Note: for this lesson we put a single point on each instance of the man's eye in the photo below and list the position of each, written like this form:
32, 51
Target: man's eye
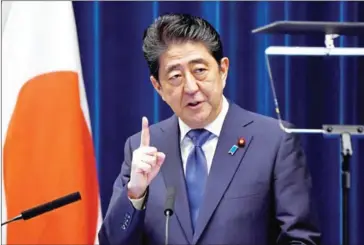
200, 70
175, 77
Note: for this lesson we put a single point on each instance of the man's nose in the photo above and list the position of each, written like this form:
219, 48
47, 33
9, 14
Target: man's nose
190, 84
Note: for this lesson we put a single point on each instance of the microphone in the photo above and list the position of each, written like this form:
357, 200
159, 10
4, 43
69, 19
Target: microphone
46, 207
168, 209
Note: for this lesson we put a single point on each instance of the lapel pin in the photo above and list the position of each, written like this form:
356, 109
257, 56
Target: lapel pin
240, 144
233, 149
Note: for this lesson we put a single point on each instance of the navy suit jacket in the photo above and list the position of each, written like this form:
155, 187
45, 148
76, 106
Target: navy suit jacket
260, 195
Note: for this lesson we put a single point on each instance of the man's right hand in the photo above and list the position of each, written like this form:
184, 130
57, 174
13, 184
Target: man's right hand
145, 165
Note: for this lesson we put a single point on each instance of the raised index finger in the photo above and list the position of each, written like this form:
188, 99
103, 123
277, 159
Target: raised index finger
145, 137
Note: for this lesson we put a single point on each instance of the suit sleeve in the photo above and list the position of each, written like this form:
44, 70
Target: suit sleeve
292, 187
123, 224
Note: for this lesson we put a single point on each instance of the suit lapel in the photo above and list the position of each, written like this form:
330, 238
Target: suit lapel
172, 171
224, 165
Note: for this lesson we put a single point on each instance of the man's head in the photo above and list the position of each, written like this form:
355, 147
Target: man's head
188, 70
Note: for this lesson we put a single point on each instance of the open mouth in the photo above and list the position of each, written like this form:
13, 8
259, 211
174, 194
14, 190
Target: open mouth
194, 104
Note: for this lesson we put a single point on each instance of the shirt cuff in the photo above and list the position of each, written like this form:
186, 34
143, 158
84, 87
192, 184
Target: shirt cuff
139, 203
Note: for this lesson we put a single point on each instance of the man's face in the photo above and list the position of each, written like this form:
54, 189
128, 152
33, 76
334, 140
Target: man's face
191, 82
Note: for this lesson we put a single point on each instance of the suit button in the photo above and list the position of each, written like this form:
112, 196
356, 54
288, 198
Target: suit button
123, 227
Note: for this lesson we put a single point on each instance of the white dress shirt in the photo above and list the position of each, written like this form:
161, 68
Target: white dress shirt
209, 147
186, 144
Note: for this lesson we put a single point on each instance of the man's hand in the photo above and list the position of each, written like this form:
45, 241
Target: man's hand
145, 165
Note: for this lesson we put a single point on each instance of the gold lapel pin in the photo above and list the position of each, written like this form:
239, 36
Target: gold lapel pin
234, 148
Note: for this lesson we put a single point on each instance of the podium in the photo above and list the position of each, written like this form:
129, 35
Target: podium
329, 31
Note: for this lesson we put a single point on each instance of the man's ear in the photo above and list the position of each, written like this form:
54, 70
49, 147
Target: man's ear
224, 69
157, 86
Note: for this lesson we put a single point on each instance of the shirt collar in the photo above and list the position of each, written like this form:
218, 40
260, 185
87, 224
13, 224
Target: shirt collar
214, 127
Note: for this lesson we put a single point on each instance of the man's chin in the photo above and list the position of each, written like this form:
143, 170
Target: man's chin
196, 120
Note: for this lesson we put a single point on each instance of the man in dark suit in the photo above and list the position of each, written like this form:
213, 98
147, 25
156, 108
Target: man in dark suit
257, 194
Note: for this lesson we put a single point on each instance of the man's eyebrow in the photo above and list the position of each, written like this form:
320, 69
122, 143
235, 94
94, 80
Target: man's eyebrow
194, 61
172, 68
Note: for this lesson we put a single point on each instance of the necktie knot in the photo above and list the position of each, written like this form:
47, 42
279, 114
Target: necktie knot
199, 136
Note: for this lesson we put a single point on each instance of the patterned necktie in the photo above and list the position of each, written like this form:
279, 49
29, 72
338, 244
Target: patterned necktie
196, 171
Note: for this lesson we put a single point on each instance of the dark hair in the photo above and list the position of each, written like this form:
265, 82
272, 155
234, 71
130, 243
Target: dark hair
172, 28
